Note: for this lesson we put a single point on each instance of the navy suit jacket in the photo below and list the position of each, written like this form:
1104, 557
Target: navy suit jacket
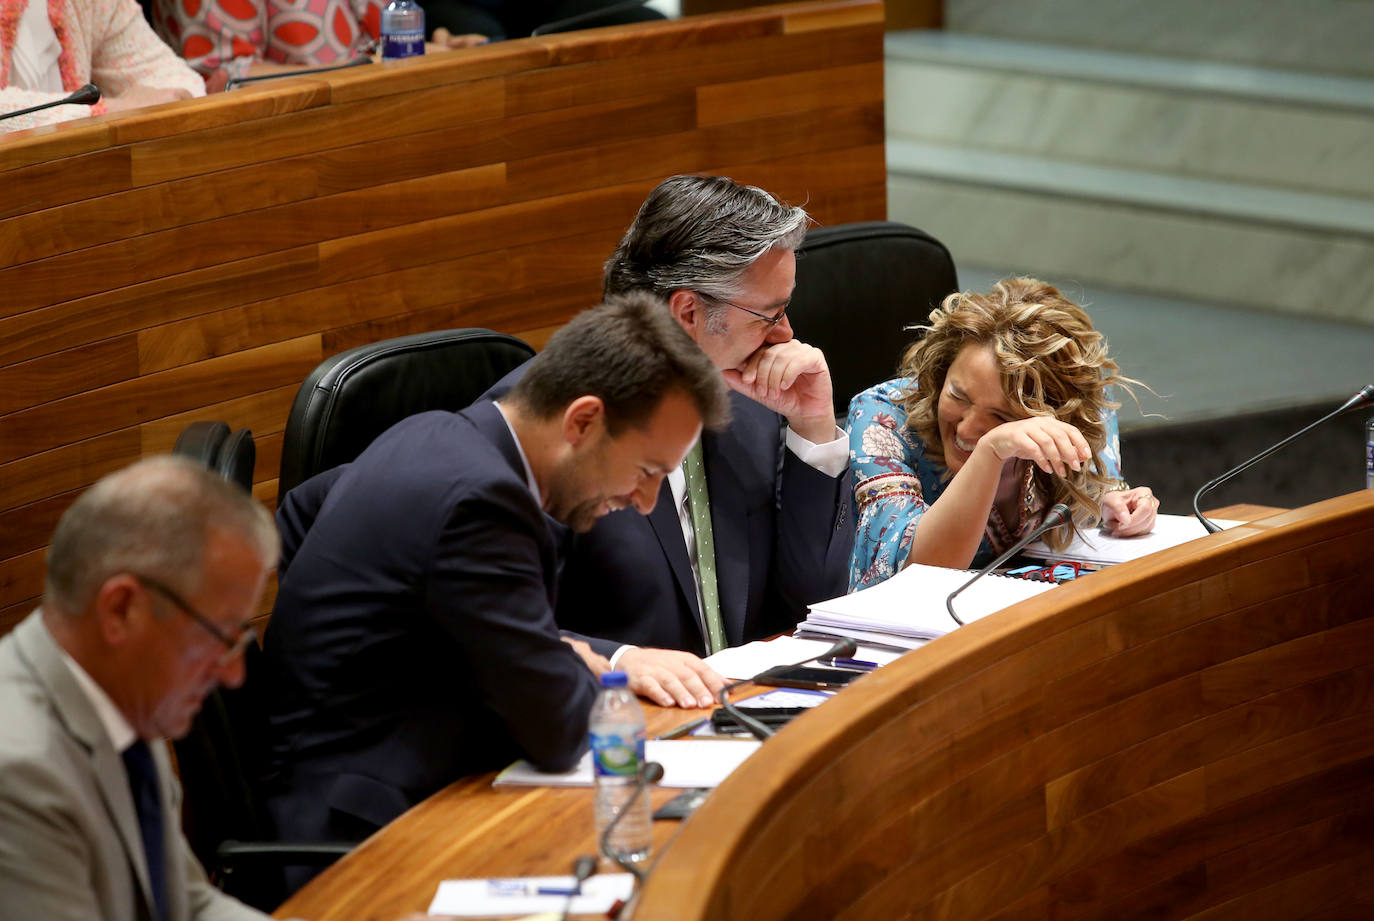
782, 531
413, 639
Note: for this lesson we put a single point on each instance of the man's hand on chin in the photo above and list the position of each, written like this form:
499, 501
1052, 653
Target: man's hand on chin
792, 379
670, 677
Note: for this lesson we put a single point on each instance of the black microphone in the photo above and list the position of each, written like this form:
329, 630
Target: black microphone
1057, 515
581, 19
88, 95
651, 773
583, 867
842, 649
1358, 401
235, 82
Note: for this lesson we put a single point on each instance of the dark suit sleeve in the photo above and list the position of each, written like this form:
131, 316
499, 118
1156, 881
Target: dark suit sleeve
815, 534
486, 587
298, 510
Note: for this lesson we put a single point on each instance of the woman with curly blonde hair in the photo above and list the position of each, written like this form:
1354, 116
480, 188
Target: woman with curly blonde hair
1003, 409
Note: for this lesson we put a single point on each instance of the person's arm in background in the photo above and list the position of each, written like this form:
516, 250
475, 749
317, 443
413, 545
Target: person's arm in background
888, 496
131, 65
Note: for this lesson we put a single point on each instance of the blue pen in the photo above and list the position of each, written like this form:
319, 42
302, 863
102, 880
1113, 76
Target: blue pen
855, 664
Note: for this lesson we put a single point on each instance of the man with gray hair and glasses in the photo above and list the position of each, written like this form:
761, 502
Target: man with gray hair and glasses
153, 577
754, 526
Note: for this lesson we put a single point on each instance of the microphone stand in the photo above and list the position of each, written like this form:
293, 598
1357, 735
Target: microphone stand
236, 82
651, 772
843, 649
88, 95
583, 867
1057, 515
1358, 401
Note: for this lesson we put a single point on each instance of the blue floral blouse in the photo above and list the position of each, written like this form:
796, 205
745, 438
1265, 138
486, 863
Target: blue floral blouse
895, 481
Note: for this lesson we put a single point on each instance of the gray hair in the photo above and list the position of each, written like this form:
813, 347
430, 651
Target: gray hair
152, 519
701, 233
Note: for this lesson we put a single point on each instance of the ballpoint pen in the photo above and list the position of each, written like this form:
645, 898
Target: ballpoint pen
684, 729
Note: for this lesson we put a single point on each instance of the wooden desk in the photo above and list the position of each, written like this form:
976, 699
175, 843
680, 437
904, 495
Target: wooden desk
1186, 736
469, 830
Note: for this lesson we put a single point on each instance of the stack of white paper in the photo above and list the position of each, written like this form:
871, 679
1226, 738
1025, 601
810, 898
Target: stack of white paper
1102, 549
909, 608
686, 763
493, 898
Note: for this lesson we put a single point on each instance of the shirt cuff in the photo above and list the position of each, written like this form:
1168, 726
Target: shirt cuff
830, 457
615, 656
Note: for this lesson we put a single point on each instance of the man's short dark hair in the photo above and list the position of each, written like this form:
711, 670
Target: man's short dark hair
701, 233
629, 352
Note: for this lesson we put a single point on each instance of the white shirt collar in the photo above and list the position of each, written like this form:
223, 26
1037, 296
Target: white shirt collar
524, 461
121, 734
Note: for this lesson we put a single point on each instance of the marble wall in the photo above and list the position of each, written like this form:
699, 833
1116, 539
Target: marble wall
1327, 36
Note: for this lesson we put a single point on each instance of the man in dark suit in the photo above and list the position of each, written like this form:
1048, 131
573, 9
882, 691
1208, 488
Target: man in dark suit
413, 639
767, 494
153, 577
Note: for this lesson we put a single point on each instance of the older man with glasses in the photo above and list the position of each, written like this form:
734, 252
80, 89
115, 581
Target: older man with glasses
754, 526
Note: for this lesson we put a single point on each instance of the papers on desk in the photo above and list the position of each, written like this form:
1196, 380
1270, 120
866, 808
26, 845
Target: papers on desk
740, 663
1104, 550
909, 608
492, 898
686, 763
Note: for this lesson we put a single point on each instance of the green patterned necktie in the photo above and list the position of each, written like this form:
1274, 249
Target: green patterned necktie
699, 504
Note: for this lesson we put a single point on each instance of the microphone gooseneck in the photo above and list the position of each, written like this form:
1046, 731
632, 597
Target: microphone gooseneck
1057, 515
87, 95
651, 773
358, 61
583, 868
1360, 400
842, 649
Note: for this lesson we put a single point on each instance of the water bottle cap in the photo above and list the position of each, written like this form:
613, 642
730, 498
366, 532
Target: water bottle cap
614, 680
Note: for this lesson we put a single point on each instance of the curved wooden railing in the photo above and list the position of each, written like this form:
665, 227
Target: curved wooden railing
1188, 736
198, 259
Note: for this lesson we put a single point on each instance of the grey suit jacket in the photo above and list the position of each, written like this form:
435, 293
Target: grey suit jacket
70, 847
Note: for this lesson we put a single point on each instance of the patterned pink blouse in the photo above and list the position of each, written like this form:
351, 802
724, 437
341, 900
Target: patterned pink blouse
231, 34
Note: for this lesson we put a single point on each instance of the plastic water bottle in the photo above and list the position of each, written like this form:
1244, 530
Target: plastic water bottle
617, 742
403, 30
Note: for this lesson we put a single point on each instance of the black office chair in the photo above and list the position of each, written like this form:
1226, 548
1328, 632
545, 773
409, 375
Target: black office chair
356, 395
218, 760
859, 286
231, 454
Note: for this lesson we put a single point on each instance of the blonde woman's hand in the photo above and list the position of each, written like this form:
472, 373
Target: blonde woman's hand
1053, 446
1129, 512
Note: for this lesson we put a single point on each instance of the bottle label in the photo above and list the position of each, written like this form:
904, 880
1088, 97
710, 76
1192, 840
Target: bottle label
402, 44
616, 755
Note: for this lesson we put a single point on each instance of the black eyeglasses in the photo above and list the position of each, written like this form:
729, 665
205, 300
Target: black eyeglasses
771, 321
233, 646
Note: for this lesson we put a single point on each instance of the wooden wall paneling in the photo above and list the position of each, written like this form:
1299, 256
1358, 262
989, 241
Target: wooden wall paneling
264, 412
303, 312
517, 224
29, 526
293, 134
60, 374
788, 94
50, 183
85, 415
148, 209
135, 307
53, 142
65, 468
21, 578
622, 77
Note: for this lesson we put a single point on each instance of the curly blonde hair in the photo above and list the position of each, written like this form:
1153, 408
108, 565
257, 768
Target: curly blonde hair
1053, 363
